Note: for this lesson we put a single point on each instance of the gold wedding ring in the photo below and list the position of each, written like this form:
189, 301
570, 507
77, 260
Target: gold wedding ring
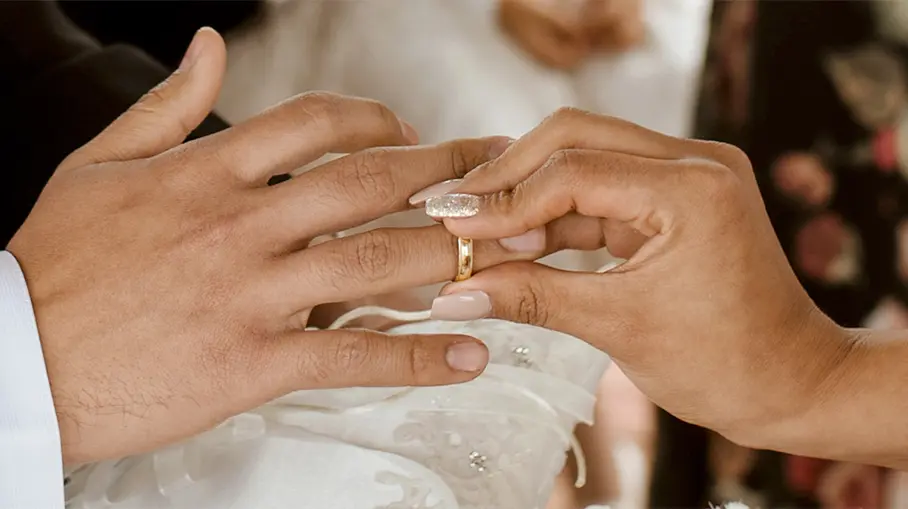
464, 259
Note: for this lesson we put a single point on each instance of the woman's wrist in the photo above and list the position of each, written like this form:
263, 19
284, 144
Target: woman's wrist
804, 362
868, 411
859, 411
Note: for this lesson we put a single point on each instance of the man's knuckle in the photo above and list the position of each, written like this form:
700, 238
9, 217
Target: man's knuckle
368, 175
459, 161
228, 359
324, 109
351, 354
384, 114
419, 361
530, 306
373, 256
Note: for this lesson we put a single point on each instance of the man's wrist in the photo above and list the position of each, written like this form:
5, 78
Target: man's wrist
30, 463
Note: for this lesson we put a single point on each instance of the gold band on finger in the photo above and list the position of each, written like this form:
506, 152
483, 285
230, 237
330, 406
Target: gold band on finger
464, 259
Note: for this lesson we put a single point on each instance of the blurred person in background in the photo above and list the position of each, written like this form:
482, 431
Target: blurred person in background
62, 83
817, 95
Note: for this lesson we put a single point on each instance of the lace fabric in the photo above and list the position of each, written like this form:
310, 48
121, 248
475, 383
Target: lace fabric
496, 442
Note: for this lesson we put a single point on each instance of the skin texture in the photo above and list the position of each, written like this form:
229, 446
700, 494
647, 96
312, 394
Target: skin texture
171, 285
706, 317
562, 34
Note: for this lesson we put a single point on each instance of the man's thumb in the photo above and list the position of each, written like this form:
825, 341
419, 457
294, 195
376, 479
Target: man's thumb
164, 117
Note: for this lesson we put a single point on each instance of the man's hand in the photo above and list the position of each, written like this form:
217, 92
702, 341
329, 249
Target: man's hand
171, 284
706, 316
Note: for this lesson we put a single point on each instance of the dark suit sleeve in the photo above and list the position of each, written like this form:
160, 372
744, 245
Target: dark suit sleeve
58, 89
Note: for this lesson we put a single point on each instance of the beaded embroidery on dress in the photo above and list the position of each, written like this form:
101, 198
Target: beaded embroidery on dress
496, 442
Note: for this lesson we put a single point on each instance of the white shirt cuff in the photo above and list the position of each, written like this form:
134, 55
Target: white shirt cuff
31, 463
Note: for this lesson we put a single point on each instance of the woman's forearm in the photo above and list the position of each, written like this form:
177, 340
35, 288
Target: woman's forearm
861, 414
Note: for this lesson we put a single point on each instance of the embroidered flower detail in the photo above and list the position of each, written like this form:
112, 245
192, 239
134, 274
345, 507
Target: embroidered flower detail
827, 250
803, 177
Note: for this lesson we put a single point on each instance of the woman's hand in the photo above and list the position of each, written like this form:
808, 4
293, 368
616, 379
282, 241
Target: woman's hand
171, 285
706, 316
561, 33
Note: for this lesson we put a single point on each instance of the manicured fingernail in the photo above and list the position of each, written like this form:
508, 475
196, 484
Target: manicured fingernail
434, 190
409, 132
499, 146
467, 356
452, 205
193, 52
461, 307
532, 241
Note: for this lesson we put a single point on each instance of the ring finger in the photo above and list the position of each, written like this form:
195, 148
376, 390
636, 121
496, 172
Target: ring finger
388, 259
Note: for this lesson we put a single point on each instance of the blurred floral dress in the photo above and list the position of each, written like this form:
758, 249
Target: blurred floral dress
817, 94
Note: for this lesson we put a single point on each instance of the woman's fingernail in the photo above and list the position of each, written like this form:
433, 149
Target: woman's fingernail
452, 205
409, 131
193, 52
499, 146
434, 190
469, 357
532, 241
461, 307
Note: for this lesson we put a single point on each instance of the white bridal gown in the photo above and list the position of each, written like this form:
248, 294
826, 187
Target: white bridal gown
497, 442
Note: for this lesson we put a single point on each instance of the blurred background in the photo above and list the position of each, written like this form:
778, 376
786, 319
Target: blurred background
815, 92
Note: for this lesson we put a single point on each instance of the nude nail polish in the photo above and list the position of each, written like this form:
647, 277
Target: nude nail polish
469, 357
434, 190
452, 205
461, 307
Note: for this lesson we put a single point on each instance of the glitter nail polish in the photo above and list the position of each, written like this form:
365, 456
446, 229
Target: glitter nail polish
452, 205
